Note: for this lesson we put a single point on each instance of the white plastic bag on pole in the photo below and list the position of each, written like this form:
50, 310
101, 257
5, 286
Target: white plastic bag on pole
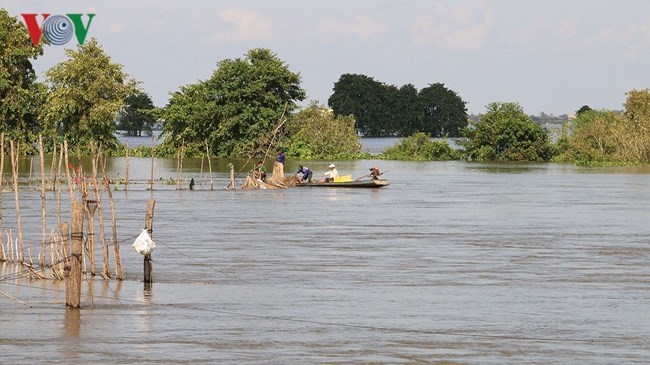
144, 245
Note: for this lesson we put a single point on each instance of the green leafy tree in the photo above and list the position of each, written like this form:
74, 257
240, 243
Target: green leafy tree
506, 133
314, 133
137, 116
21, 96
606, 137
408, 117
420, 147
445, 113
368, 100
86, 93
385, 110
237, 109
593, 138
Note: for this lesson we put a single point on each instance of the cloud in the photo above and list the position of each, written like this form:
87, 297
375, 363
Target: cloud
242, 25
455, 28
361, 27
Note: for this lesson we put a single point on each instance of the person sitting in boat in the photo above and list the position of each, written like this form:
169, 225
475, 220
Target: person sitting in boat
259, 172
330, 174
307, 174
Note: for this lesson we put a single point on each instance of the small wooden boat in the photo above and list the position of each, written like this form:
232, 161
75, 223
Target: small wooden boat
348, 184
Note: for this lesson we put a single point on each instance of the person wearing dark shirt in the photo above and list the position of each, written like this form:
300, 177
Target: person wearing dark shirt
281, 158
307, 174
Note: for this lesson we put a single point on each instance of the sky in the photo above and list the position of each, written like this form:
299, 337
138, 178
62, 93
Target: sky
550, 56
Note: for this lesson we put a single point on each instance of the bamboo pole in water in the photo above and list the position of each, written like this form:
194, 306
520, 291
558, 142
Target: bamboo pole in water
128, 161
179, 165
207, 153
116, 245
43, 216
52, 171
153, 150
2, 178
91, 206
105, 259
64, 232
57, 180
15, 150
73, 284
201, 175
148, 225
68, 178
232, 176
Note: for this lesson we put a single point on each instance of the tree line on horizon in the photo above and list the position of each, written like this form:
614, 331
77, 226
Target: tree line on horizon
249, 105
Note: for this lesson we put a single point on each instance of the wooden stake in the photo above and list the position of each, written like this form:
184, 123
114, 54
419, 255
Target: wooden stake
14, 166
232, 176
68, 178
52, 171
153, 149
128, 159
91, 205
44, 225
148, 225
2, 178
73, 283
116, 245
105, 259
64, 232
207, 153
57, 180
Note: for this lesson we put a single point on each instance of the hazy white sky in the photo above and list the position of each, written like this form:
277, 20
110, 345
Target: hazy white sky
550, 56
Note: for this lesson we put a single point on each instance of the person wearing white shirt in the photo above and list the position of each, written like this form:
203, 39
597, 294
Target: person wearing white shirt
331, 173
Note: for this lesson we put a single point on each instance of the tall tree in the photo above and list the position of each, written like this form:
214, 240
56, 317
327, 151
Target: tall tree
136, 116
86, 93
408, 117
386, 110
20, 94
368, 100
237, 108
445, 113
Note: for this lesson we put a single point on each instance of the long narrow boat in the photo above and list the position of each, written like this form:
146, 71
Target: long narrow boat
348, 184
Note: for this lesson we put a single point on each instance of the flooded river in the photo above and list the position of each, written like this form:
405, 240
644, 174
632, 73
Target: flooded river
454, 262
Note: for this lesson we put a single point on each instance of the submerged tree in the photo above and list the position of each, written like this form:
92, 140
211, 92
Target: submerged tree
137, 116
86, 92
420, 147
386, 110
20, 94
237, 109
506, 133
445, 113
315, 133
607, 137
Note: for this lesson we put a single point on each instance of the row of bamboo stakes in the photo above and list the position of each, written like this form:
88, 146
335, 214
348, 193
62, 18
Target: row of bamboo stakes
15, 249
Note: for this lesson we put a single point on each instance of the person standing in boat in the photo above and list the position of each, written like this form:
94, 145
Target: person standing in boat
330, 174
281, 157
307, 174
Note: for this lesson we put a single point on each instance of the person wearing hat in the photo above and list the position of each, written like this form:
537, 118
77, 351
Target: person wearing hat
331, 173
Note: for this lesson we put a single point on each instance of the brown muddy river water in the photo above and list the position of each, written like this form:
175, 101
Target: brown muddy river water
454, 262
